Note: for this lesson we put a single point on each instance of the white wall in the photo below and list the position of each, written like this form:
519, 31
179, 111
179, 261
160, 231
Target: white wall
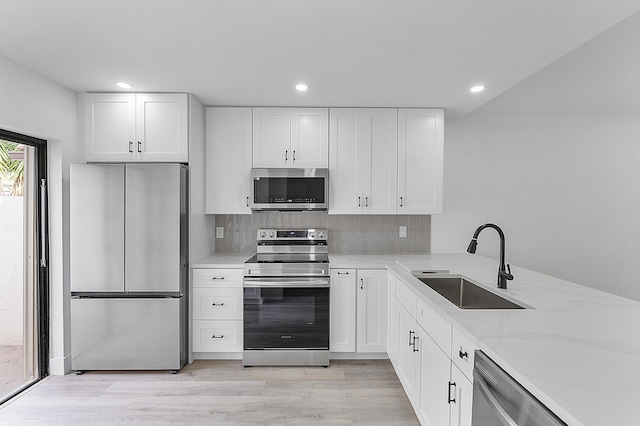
32, 105
563, 189
555, 161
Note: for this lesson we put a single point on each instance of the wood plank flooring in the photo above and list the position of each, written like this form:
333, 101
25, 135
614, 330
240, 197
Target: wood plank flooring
365, 392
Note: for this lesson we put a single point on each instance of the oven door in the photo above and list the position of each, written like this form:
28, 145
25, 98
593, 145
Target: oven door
286, 313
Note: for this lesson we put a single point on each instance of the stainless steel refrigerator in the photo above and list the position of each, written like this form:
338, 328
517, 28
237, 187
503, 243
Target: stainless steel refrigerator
128, 266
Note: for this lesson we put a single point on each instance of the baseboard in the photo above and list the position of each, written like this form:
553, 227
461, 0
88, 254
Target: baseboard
59, 366
356, 355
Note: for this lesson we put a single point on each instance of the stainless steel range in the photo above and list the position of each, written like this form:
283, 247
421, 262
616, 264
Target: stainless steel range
286, 299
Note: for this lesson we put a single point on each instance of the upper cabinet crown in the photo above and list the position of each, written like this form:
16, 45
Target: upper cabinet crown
290, 138
126, 127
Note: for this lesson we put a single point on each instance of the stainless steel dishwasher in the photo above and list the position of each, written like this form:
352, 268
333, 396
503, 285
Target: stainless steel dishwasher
500, 400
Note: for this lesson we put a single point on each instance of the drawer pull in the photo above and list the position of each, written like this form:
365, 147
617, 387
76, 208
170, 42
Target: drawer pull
343, 273
415, 348
217, 304
217, 337
463, 355
217, 278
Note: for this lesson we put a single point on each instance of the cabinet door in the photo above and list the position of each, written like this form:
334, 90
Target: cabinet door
346, 161
380, 161
462, 405
408, 364
434, 382
162, 127
420, 160
109, 126
309, 138
272, 137
392, 328
343, 315
228, 160
372, 311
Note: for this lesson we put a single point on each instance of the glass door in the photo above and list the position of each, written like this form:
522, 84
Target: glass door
23, 269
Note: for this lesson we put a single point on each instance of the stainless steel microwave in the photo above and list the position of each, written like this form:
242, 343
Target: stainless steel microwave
289, 189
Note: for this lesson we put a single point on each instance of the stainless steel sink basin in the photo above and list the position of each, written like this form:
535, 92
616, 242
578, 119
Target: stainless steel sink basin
467, 295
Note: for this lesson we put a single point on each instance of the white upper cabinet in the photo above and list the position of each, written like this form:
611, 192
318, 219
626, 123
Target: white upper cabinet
228, 160
420, 161
162, 130
363, 166
290, 138
127, 127
385, 161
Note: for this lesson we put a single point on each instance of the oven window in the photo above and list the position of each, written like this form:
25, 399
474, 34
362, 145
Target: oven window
272, 190
286, 318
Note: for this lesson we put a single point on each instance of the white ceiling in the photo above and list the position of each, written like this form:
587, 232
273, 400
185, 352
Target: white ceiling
412, 53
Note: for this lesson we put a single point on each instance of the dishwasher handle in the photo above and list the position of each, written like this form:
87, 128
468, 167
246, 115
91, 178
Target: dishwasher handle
506, 419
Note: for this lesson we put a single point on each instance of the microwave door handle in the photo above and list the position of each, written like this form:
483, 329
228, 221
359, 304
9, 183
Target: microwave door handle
493, 402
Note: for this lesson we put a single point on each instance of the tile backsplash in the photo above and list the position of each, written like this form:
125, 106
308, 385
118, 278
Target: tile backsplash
370, 234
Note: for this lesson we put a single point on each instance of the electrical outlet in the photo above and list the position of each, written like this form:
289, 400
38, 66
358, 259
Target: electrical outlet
403, 232
219, 232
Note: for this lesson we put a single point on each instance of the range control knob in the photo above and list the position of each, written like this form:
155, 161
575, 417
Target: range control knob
321, 235
263, 234
272, 234
312, 234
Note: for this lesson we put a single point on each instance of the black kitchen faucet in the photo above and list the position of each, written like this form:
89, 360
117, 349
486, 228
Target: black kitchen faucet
504, 273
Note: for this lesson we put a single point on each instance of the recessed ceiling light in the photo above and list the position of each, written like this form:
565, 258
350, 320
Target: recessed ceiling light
301, 87
478, 88
123, 85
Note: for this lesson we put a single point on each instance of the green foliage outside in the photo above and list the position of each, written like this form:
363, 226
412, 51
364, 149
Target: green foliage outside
11, 170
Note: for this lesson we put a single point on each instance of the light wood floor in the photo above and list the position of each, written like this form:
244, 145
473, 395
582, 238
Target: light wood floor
220, 392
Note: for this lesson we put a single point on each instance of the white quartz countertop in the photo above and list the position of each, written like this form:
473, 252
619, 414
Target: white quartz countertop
577, 349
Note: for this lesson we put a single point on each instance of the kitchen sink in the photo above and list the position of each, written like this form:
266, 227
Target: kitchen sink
467, 295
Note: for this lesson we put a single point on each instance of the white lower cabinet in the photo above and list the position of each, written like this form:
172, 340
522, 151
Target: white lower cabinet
408, 365
359, 310
461, 396
216, 303
439, 390
434, 382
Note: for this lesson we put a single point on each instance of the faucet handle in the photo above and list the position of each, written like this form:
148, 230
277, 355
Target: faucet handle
508, 275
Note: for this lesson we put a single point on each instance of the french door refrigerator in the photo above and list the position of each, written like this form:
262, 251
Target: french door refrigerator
128, 226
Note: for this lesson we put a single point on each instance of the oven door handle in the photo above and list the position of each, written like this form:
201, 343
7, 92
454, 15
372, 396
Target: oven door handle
277, 282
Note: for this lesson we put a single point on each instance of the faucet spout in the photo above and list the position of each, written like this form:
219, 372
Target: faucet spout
504, 271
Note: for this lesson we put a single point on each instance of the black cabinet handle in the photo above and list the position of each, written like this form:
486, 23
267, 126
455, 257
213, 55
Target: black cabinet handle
139, 146
217, 304
343, 273
415, 348
366, 201
411, 337
218, 337
247, 201
359, 202
361, 284
217, 278
294, 155
131, 146
401, 202
286, 155
449, 399
463, 355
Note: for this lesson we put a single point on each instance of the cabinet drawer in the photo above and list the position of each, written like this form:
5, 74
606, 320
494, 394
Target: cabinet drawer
217, 277
407, 298
462, 352
435, 325
217, 336
217, 303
